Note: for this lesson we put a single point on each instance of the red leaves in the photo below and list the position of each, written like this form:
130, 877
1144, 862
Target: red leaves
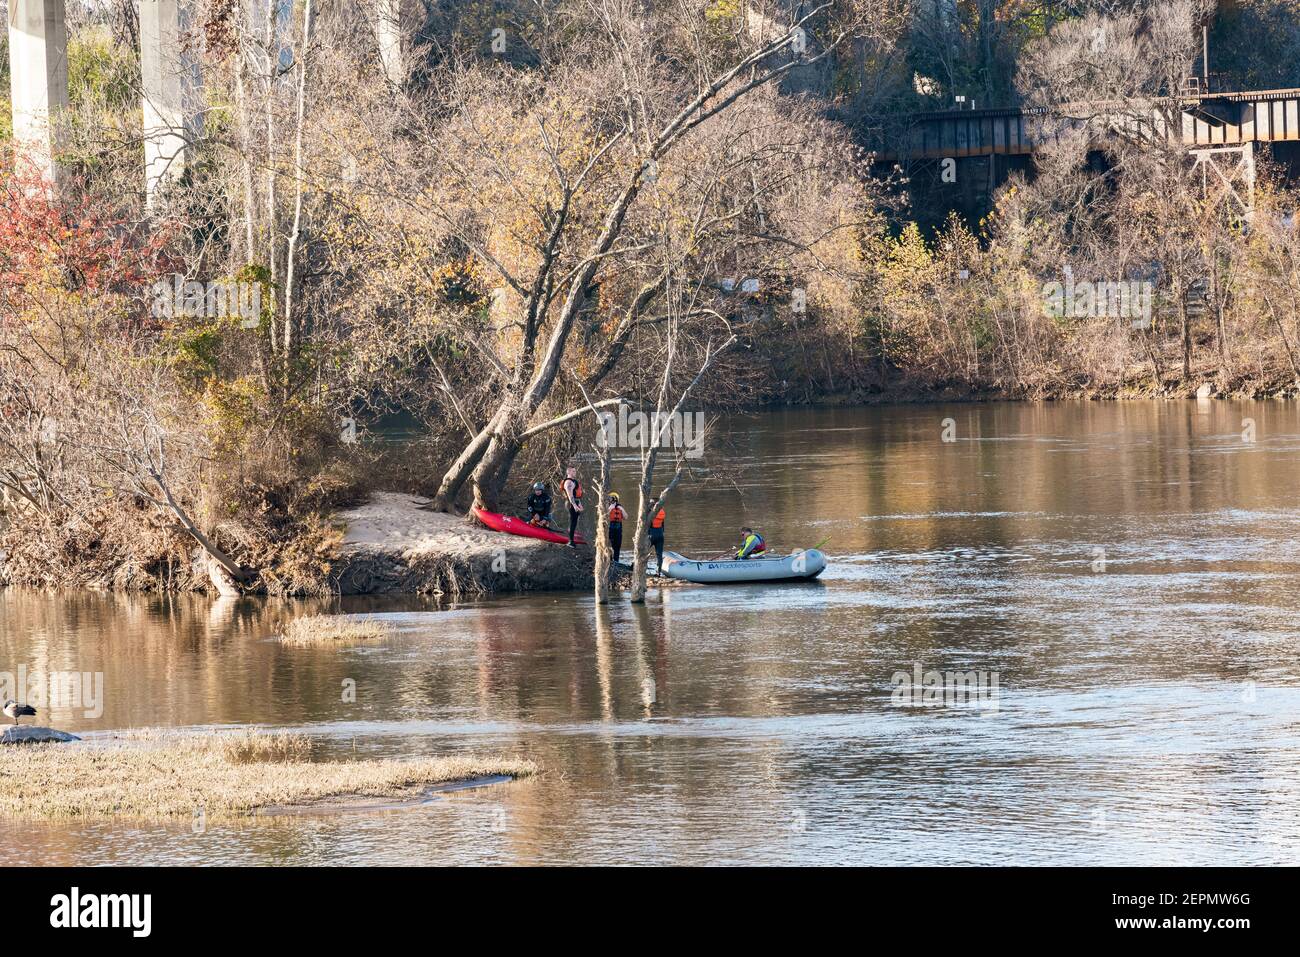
76, 241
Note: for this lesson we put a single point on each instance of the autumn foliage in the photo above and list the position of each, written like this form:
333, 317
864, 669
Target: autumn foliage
73, 240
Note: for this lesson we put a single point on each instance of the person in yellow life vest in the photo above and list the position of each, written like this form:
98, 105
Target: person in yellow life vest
751, 543
656, 534
616, 518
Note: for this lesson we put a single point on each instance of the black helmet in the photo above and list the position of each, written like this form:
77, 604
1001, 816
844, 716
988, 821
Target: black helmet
539, 487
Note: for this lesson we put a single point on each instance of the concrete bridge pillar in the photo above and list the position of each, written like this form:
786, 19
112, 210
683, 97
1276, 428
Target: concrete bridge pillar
171, 82
38, 76
388, 32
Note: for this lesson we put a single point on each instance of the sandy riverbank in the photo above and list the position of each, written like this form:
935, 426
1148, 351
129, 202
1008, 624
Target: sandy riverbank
394, 545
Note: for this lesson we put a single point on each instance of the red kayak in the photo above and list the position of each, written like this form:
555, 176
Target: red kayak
517, 526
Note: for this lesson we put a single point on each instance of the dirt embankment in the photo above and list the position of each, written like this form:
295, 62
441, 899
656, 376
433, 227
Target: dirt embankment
389, 544
393, 545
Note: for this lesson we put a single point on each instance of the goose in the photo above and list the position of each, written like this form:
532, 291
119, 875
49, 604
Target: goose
15, 710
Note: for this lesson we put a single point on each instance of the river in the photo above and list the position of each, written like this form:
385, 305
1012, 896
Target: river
1122, 577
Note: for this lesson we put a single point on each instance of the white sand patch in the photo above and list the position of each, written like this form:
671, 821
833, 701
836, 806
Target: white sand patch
391, 544
394, 521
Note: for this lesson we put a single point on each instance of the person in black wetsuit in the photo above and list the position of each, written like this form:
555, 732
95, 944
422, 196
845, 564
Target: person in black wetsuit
616, 518
539, 506
573, 498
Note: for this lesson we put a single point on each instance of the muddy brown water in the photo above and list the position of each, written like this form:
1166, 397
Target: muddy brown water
1127, 573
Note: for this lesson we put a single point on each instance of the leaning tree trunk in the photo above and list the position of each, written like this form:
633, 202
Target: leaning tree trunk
747, 74
495, 486
456, 477
491, 471
215, 555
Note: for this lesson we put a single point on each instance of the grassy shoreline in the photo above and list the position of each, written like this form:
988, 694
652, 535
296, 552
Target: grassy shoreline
158, 775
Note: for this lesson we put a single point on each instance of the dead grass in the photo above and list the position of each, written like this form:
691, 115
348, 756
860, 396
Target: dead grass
156, 774
254, 747
334, 630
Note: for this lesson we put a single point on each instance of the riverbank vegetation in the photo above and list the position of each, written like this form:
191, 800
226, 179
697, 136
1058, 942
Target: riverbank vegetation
543, 210
153, 775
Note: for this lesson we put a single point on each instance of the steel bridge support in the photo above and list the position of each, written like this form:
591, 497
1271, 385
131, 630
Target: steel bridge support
1236, 176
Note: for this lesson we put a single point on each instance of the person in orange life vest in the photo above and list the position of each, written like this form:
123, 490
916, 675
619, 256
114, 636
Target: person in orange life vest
616, 518
573, 498
656, 534
751, 543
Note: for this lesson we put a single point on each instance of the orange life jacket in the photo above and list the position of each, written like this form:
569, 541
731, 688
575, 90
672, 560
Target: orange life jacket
658, 520
616, 514
577, 489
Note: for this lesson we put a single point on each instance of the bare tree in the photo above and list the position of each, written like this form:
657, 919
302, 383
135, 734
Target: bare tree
667, 409
591, 199
603, 550
1114, 84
